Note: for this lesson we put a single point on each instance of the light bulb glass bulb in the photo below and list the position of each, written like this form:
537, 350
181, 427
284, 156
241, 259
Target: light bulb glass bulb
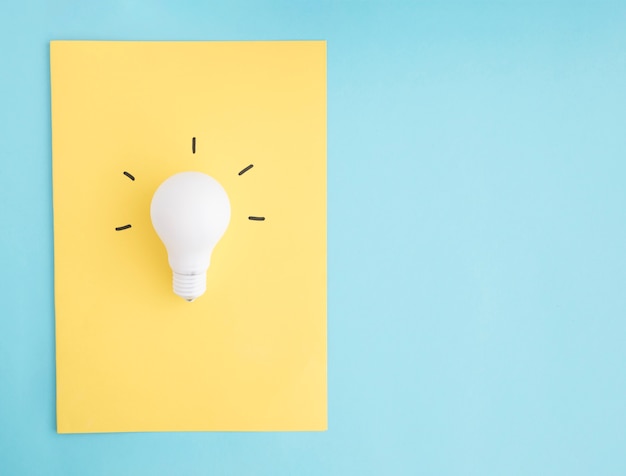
190, 212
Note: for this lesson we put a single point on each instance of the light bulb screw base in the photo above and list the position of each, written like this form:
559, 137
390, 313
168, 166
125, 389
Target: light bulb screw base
189, 286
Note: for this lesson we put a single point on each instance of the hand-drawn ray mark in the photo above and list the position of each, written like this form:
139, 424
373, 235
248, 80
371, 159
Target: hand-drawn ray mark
246, 169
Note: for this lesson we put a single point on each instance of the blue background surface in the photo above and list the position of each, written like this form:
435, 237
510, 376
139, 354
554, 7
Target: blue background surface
477, 239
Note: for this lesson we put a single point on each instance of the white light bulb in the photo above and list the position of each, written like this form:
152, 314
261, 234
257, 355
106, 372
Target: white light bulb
190, 212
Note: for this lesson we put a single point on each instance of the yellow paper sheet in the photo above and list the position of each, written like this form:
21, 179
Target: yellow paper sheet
251, 353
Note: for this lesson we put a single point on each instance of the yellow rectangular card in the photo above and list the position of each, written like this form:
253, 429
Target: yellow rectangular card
248, 355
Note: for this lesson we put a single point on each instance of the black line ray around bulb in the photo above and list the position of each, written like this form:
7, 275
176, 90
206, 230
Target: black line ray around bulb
193, 145
256, 218
125, 227
245, 169
129, 176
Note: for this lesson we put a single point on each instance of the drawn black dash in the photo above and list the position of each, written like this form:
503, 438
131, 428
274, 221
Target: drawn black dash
256, 218
120, 228
193, 145
129, 176
246, 169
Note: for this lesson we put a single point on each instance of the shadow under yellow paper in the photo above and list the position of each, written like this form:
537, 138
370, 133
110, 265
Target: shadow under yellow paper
251, 353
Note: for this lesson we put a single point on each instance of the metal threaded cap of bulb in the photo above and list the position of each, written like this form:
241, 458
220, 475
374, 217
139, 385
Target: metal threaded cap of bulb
189, 286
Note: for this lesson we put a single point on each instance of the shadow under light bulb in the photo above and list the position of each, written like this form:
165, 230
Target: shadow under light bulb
190, 212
